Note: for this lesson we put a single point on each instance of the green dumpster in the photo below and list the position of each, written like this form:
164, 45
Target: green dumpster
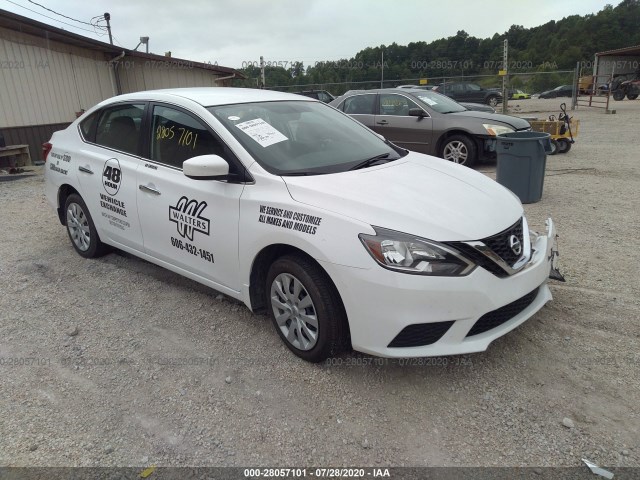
522, 157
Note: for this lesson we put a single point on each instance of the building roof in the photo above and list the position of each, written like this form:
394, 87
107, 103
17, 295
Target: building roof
626, 51
18, 23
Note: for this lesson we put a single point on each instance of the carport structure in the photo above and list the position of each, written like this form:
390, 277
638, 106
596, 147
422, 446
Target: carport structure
606, 66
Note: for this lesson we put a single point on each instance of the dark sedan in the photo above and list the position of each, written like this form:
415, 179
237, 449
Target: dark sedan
561, 91
428, 122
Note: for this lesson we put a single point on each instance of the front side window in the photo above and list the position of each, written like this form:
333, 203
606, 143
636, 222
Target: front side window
397, 105
473, 87
359, 104
177, 136
301, 138
119, 128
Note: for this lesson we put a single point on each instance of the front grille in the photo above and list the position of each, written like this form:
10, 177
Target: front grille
479, 259
500, 243
420, 334
502, 315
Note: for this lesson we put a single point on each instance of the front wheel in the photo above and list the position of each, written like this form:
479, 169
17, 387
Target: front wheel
618, 95
564, 145
492, 101
459, 149
306, 309
554, 147
81, 229
632, 96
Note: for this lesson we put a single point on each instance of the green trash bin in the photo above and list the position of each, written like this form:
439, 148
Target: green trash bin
522, 157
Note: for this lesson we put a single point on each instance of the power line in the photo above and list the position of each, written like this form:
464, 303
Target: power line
51, 18
65, 16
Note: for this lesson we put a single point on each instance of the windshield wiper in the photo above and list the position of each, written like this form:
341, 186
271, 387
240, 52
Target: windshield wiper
298, 174
370, 161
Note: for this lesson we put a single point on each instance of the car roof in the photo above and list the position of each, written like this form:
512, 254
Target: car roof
211, 96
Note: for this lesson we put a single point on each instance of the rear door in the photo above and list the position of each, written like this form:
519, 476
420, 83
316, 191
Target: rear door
107, 167
395, 124
362, 108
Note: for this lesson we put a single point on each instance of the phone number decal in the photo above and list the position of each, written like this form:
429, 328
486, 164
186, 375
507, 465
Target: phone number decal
192, 249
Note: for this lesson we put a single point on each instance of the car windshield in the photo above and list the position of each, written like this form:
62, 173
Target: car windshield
302, 138
438, 102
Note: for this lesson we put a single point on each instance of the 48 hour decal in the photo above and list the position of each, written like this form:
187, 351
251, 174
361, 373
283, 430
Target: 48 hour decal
112, 176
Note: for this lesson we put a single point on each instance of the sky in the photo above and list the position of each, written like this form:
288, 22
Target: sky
236, 32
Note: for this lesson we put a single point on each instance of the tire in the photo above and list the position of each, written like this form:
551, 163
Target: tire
492, 100
459, 149
564, 145
316, 302
81, 229
554, 147
618, 95
632, 96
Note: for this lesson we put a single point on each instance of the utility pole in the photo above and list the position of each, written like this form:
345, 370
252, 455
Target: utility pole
262, 81
505, 77
107, 17
382, 74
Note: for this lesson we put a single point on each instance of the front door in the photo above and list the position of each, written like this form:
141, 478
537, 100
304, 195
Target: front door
191, 224
394, 122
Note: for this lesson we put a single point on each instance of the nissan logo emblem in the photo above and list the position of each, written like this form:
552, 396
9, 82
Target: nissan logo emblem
515, 244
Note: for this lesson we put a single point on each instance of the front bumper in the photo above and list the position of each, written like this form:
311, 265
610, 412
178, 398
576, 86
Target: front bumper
381, 303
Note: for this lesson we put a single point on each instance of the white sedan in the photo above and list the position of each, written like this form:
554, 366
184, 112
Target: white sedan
298, 210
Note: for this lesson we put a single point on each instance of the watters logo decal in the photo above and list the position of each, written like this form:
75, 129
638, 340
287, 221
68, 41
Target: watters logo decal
187, 215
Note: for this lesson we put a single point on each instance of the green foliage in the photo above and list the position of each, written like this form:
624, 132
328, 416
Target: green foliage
556, 45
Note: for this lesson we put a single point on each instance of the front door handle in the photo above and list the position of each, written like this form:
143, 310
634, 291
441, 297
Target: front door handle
85, 170
382, 122
148, 189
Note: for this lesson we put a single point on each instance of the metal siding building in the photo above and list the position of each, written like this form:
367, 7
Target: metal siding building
621, 61
48, 76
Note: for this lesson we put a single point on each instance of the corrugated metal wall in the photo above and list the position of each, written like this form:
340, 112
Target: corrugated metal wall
44, 82
618, 65
138, 74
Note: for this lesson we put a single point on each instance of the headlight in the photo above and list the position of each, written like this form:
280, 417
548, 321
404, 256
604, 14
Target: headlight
410, 254
497, 129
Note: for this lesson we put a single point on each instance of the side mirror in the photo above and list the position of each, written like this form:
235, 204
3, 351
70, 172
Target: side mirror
417, 112
206, 167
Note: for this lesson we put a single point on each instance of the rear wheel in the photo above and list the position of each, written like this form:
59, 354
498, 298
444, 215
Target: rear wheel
459, 149
632, 96
81, 229
554, 147
306, 308
564, 145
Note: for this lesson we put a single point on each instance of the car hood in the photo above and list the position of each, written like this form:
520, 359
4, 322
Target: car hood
515, 122
416, 194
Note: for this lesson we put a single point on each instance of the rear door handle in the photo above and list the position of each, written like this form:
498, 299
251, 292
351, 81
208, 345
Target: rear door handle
85, 170
148, 189
383, 122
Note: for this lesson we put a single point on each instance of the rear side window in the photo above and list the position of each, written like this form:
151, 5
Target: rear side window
119, 128
359, 104
88, 127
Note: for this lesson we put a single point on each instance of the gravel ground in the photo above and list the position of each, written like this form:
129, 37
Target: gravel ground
137, 366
